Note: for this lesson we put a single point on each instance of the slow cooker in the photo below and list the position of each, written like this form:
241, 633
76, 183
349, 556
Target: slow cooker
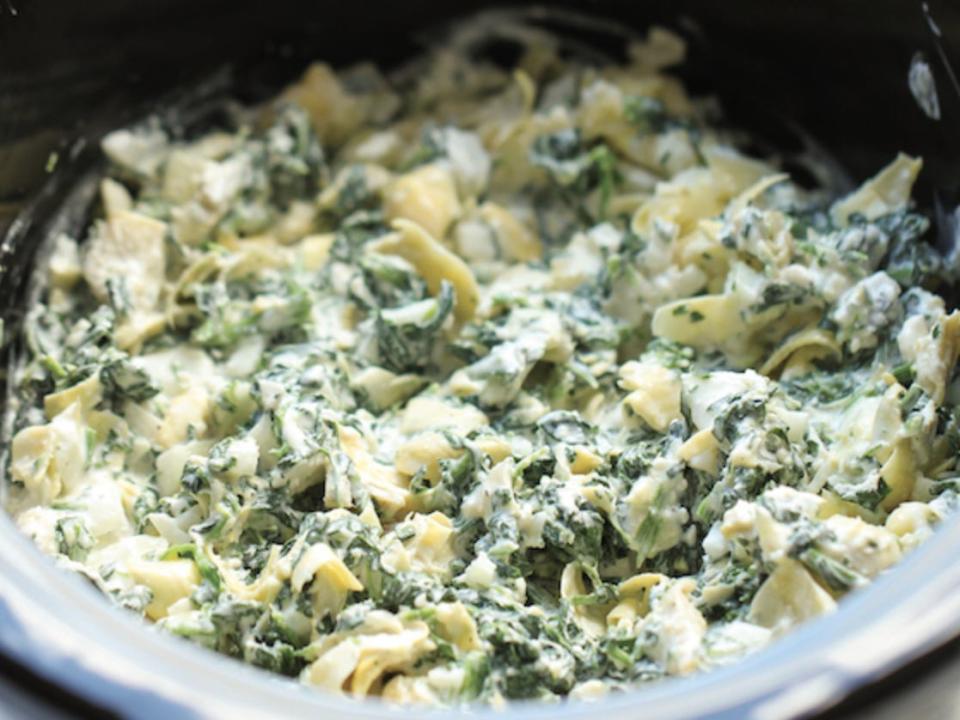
817, 77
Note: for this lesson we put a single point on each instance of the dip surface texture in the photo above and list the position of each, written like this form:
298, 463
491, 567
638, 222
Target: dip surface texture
475, 383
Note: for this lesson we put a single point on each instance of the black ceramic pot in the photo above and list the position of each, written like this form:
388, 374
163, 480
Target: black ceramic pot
70, 71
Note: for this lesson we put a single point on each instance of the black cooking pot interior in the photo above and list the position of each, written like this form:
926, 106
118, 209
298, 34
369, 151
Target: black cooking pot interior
69, 71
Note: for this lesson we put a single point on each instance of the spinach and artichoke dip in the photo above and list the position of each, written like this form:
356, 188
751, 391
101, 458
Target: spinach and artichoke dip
473, 383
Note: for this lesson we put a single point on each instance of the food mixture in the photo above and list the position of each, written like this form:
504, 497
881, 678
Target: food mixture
479, 383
